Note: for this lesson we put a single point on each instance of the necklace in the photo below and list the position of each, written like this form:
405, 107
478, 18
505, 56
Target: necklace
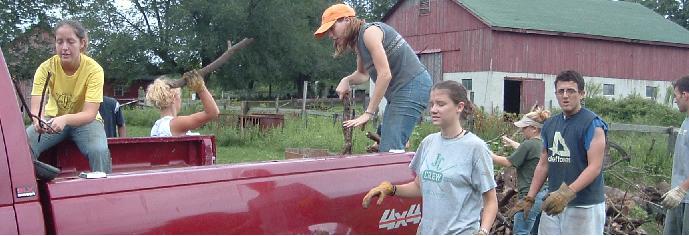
460, 134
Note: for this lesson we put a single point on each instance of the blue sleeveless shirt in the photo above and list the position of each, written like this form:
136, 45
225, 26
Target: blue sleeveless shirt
567, 155
403, 62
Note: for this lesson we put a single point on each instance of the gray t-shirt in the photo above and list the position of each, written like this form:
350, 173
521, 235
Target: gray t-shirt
680, 160
454, 174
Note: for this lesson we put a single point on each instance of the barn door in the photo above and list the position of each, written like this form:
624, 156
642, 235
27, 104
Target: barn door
532, 93
434, 64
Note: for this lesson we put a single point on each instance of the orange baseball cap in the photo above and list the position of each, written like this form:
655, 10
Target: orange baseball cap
331, 15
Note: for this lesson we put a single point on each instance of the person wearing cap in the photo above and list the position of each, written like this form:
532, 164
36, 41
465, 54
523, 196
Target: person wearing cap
572, 161
525, 159
384, 56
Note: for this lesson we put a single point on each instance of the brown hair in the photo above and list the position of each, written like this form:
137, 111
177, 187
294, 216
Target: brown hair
457, 94
571, 75
79, 30
682, 84
160, 95
351, 36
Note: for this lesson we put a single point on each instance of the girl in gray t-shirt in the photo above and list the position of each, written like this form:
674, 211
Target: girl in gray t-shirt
454, 171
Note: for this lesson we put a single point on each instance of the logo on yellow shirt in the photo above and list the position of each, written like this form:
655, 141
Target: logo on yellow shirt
64, 101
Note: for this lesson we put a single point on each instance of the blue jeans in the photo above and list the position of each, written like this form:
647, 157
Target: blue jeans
403, 110
523, 226
677, 220
89, 138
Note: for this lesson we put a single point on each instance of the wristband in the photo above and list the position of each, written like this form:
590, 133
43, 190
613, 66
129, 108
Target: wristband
370, 113
394, 190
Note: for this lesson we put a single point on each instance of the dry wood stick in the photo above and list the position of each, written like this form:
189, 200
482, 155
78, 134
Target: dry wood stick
347, 131
231, 49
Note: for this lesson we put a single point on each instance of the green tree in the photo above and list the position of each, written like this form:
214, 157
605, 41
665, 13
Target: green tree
675, 10
371, 10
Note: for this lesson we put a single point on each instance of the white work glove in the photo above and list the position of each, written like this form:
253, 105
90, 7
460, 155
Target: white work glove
672, 198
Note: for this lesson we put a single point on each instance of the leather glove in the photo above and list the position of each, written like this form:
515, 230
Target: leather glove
194, 81
558, 200
481, 231
385, 188
672, 198
524, 205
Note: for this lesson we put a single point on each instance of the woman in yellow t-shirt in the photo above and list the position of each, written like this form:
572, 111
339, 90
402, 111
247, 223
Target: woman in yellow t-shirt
75, 91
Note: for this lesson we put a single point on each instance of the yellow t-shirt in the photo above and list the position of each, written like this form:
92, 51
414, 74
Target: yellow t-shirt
67, 94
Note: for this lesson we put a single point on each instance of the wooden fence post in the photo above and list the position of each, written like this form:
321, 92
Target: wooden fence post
303, 104
671, 139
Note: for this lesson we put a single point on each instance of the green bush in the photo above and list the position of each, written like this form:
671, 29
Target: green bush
635, 109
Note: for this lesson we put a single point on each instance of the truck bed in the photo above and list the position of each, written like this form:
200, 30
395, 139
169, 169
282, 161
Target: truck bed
134, 154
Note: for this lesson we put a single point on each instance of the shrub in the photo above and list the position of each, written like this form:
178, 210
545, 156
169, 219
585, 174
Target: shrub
635, 109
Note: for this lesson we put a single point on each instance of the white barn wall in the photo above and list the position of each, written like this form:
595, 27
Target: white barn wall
488, 86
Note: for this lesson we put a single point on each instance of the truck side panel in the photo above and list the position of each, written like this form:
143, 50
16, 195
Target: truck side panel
23, 189
289, 197
8, 220
30, 218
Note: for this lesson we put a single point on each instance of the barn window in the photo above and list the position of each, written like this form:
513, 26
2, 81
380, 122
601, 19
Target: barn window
119, 90
425, 7
468, 84
652, 92
608, 89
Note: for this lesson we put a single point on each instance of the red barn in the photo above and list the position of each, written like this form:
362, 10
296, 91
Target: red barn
509, 52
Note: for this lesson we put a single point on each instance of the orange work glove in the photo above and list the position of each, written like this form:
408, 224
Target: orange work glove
523, 205
558, 200
385, 188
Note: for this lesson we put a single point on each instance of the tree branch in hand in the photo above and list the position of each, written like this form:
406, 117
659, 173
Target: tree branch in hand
231, 49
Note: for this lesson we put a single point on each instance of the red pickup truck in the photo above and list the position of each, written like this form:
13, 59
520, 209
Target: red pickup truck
171, 186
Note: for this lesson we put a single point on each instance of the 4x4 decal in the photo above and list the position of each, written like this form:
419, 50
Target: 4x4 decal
391, 219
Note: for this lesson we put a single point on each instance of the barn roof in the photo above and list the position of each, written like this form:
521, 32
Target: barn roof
603, 18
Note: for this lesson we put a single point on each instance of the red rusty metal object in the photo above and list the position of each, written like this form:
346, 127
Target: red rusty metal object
263, 121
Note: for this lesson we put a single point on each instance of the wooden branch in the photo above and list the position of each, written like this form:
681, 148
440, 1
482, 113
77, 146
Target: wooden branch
231, 49
507, 198
373, 136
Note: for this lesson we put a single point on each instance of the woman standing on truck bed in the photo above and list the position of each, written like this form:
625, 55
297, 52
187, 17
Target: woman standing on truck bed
169, 102
454, 171
384, 56
75, 91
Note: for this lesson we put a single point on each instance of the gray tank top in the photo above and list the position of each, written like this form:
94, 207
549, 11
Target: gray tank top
404, 64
